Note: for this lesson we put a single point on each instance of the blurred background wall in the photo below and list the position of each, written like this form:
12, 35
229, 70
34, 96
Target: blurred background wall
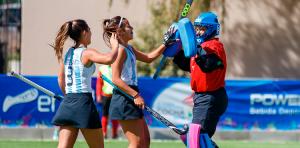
42, 19
261, 37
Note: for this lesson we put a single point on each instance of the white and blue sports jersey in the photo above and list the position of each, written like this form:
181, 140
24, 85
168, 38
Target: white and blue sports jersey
77, 76
129, 73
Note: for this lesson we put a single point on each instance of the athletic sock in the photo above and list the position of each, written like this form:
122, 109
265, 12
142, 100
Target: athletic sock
115, 125
104, 125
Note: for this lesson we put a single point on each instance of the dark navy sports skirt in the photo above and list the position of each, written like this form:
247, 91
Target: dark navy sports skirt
77, 110
123, 108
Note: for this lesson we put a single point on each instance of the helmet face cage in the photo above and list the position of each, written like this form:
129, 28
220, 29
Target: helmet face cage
210, 21
211, 29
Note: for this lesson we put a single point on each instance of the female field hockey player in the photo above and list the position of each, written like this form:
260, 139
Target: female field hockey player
207, 70
77, 111
124, 74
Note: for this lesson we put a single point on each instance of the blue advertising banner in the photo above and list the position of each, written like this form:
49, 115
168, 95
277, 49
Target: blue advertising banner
262, 105
23, 105
253, 104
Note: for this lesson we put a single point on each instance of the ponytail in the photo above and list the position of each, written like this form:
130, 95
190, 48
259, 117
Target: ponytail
106, 34
111, 26
60, 39
72, 29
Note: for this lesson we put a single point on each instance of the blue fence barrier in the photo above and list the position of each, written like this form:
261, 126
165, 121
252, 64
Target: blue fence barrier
253, 104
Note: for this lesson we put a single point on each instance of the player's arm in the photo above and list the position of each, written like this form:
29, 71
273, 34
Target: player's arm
167, 41
209, 62
61, 76
149, 57
181, 61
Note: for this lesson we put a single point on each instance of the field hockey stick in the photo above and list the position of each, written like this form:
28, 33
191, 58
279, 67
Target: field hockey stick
183, 14
151, 111
33, 84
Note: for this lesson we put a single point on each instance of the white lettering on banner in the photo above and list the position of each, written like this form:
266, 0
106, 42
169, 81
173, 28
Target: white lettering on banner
25, 97
274, 111
43, 103
274, 104
53, 104
275, 99
288, 111
262, 111
46, 104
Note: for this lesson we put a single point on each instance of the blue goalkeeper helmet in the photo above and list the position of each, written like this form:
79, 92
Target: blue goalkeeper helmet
210, 21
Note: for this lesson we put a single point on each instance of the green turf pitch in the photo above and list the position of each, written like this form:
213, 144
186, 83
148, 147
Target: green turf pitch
154, 144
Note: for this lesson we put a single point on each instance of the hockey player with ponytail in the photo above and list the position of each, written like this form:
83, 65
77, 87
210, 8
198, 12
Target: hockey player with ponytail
77, 110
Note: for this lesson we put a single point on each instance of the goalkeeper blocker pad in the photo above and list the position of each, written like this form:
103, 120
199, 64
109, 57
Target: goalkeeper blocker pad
187, 37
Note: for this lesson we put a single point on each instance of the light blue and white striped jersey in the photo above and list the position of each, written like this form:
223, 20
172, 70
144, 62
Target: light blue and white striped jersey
129, 73
77, 76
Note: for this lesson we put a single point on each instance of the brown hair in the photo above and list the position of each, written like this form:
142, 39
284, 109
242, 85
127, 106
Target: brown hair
111, 26
72, 29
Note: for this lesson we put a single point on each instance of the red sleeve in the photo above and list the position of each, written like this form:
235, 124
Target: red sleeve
99, 85
212, 48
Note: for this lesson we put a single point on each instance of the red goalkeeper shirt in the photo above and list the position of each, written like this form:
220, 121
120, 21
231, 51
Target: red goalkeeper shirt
203, 82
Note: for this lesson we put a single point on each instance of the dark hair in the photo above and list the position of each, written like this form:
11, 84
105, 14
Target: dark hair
111, 26
72, 29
